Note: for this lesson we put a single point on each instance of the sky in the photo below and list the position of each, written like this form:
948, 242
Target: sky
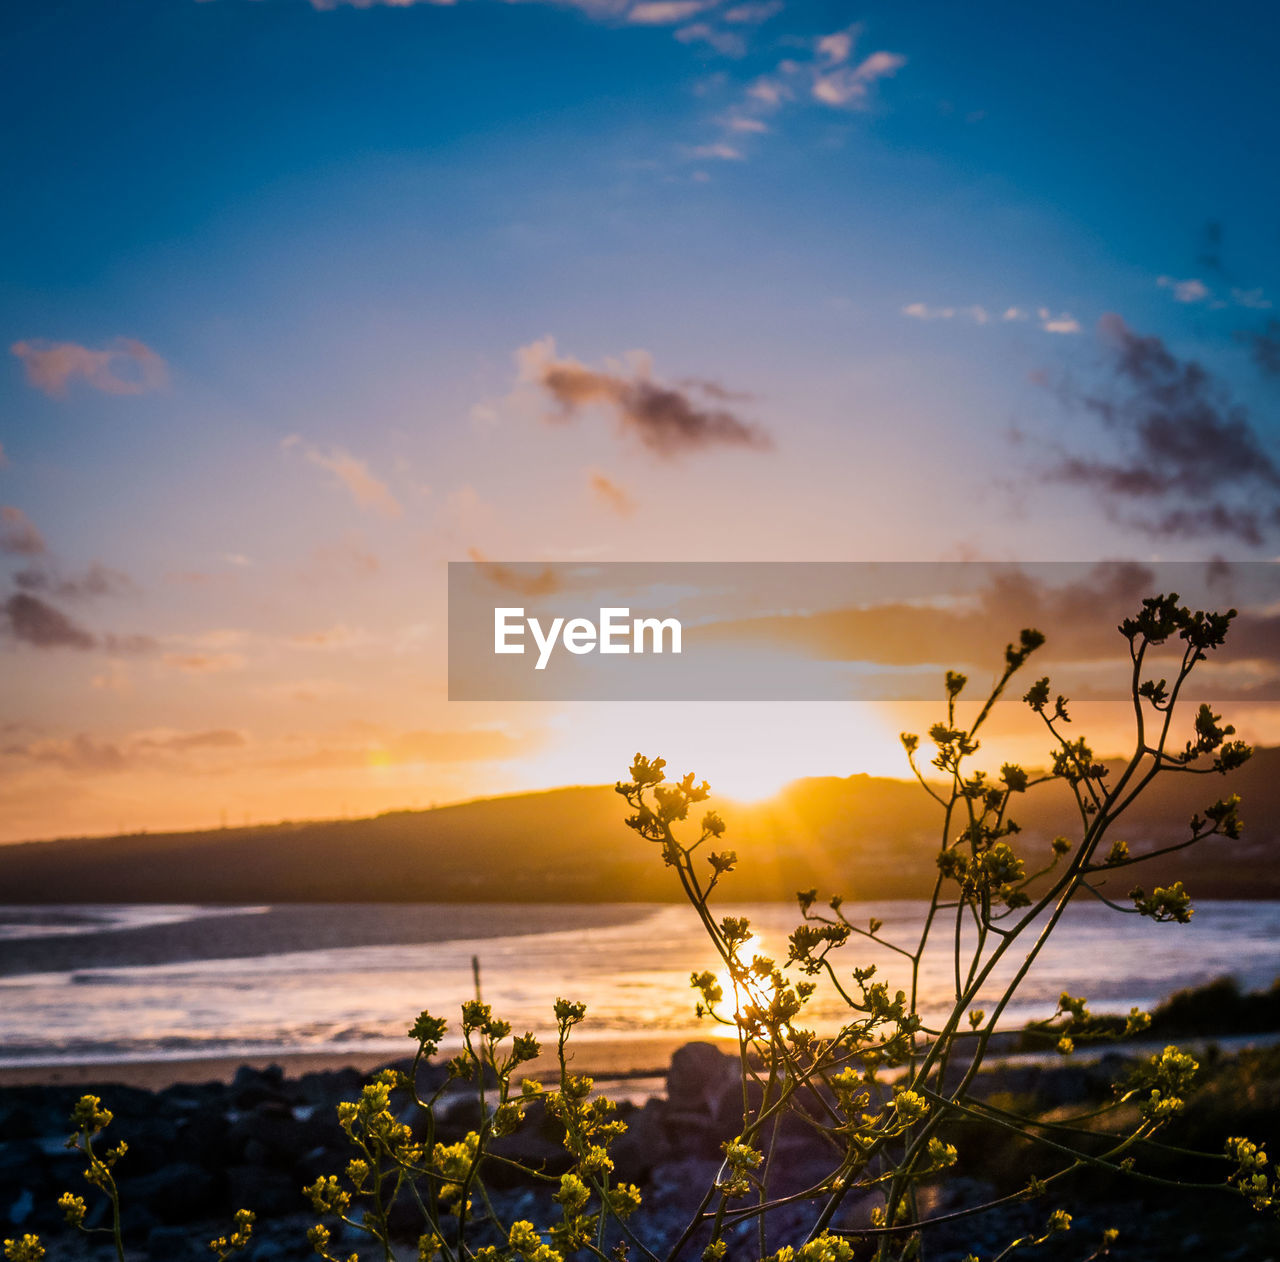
304, 300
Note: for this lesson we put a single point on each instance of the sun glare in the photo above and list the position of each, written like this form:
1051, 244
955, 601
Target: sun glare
746, 752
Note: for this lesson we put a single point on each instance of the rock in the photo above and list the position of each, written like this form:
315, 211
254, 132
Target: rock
267, 1250
252, 1086
680, 1185
538, 1143
266, 1134
169, 1244
698, 1076
20, 1209
644, 1145
268, 1193
176, 1193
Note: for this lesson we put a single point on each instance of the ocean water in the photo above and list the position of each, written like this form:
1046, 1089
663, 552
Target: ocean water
125, 983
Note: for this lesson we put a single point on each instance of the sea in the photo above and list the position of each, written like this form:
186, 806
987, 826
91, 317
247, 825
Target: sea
104, 984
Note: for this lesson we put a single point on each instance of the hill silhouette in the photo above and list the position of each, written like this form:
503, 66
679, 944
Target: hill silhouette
861, 836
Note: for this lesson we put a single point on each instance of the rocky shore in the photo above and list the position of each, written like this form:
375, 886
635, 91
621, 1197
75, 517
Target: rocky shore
197, 1152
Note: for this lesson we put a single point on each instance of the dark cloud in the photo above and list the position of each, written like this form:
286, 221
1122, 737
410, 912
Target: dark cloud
18, 535
1264, 347
1081, 615
543, 582
31, 620
1210, 255
1078, 609
1189, 459
669, 420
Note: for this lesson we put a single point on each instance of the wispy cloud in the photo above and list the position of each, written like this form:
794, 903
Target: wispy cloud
827, 73
97, 580
851, 85
1254, 299
669, 420
726, 43
666, 12
18, 534
830, 75
752, 13
1046, 319
609, 493
83, 754
204, 663
368, 490
126, 366
544, 582
720, 150
1193, 290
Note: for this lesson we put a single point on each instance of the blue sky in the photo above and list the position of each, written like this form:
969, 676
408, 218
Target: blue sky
270, 268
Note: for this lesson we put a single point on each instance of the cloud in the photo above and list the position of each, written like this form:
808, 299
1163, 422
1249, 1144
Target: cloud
1063, 323
30, 620
545, 582
1264, 346
726, 43
1082, 614
1189, 461
669, 420
753, 13
665, 12
218, 738
720, 150
1254, 299
828, 74
331, 638
83, 754
769, 92
203, 663
80, 754
401, 748
837, 48
611, 495
367, 490
349, 558
1184, 290
851, 85
97, 580
18, 535
328, 6
126, 366
1192, 291
977, 314
115, 678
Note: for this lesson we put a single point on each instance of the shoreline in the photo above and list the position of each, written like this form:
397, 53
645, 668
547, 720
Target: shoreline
612, 1059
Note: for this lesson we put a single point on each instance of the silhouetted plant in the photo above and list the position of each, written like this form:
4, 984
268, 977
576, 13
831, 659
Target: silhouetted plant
893, 1090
